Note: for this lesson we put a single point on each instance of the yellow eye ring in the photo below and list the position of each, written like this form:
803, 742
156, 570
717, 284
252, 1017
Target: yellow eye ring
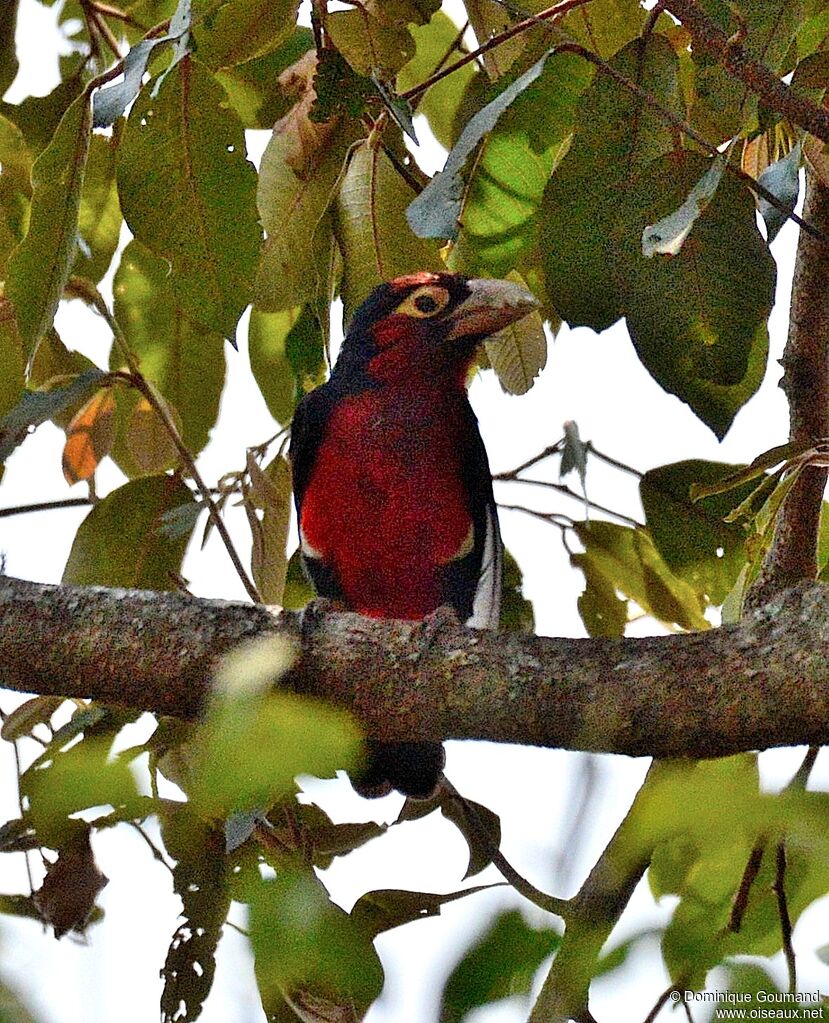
424, 303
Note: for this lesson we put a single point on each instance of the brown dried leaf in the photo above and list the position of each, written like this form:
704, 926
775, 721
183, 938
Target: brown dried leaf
67, 896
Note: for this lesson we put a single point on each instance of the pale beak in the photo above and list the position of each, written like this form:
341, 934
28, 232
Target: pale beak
491, 306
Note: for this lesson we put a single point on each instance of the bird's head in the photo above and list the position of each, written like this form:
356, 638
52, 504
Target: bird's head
428, 325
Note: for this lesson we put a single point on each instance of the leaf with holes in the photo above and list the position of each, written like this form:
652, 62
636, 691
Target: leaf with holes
200, 879
188, 193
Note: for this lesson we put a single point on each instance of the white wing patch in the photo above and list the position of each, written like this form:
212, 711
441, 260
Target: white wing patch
486, 607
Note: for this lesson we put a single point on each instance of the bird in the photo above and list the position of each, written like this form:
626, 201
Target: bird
391, 479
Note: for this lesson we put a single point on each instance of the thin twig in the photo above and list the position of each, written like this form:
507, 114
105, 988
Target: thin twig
511, 474
560, 488
142, 385
157, 853
24, 509
783, 912
659, 1004
550, 14
623, 466
750, 873
801, 776
550, 903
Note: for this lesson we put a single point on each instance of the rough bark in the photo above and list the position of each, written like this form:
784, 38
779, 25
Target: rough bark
762, 683
793, 554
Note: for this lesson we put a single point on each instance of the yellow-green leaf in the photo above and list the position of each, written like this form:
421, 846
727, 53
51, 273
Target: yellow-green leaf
243, 29
519, 352
270, 491
371, 228
297, 181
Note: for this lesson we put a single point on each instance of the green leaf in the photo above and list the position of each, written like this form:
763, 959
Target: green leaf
79, 778
489, 18
303, 943
298, 590
267, 338
697, 319
187, 192
184, 361
39, 267
254, 88
254, 741
384, 909
376, 242
119, 542
518, 353
506, 184
200, 879
297, 180
692, 537
244, 29
605, 26
630, 563
517, 613
601, 610
441, 102
35, 407
99, 218
501, 963
435, 212
15, 188
369, 44
38, 117
588, 189
8, 51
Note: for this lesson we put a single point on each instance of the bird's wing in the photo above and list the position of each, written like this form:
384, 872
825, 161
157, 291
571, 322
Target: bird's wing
472, 583
307, 434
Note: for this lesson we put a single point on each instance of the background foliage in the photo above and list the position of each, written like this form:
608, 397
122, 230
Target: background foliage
594, 155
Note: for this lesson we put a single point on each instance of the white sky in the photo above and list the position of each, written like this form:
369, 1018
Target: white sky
596, 381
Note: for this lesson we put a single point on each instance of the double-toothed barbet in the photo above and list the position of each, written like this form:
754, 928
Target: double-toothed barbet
391, 478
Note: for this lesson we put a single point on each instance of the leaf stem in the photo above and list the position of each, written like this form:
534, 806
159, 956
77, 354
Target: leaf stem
549, 903
779, 888
550, 14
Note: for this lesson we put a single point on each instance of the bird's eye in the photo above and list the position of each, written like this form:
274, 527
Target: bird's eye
425, 302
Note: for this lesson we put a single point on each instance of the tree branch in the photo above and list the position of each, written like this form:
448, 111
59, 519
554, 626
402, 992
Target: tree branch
770, 90
755, 685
